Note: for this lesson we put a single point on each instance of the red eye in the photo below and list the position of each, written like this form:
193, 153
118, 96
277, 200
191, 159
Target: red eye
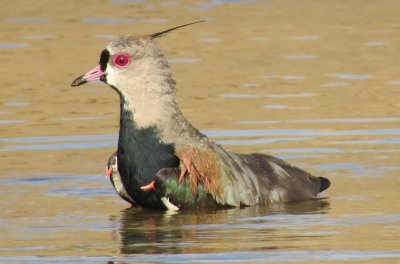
121, 60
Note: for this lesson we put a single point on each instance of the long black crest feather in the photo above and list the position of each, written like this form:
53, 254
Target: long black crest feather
162, 33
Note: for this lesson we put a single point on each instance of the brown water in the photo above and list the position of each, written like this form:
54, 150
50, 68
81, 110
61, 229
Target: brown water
314, 82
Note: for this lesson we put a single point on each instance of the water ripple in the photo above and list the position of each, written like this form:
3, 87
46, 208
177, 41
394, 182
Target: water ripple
301, 132
183, 60
14, 45
301, 57
384, 141
376, 43
203, 6
106, 36
7, 122
60, 138
38, 37
60, 146
211, 40
282, 95
283, 77
226, 257
17, 103
331, 150
351, 76
326, 120
26, 20
306, 37
103, 20
335, 84
110, 140
260, 141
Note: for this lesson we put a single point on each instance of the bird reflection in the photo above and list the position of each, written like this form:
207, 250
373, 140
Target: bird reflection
149, 232
196, 231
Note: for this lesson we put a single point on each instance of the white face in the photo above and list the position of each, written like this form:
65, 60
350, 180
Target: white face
129, 61
114, 167
122, 60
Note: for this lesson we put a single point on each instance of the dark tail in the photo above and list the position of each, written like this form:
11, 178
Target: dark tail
325, 183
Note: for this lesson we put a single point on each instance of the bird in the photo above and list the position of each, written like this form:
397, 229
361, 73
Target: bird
158, 144
115, 178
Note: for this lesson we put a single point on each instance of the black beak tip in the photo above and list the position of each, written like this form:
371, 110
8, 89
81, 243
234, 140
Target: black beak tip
78, 81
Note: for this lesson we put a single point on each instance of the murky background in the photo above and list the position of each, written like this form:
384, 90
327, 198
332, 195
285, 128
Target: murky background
314, 82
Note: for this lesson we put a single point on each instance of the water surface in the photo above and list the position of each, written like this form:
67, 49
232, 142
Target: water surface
307, 81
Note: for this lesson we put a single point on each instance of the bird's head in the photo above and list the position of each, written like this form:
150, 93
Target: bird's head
112, 165
129, 62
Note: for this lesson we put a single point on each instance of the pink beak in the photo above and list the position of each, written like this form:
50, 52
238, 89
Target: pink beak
96, 74
109, 172
148, 187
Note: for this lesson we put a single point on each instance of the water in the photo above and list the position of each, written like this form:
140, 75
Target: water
317, 88
301, 57
14, 45
101, 20
351, 76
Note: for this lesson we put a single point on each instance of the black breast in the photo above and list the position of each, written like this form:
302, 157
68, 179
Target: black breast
141, 155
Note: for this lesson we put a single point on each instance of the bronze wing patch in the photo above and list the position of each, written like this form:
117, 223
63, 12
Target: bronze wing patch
201, 166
